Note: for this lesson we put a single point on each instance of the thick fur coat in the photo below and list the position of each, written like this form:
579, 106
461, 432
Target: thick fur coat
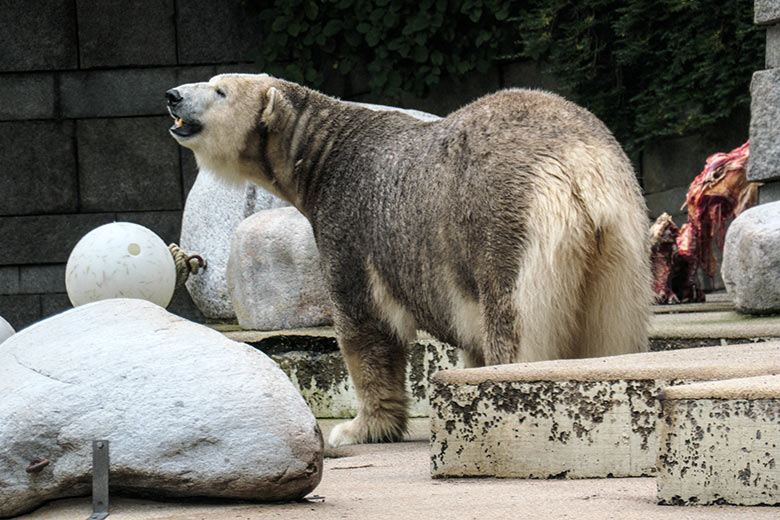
513, 228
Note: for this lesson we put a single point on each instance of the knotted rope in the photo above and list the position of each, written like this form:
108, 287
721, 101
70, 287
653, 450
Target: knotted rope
186, 264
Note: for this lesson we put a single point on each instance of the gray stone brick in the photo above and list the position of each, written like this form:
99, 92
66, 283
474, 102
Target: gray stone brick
27, 96
766, 11
9, 279
37, 37
764, 162
668, 201
20, 310
52, 304
45, 239
189, 170
182, 305
115, 33
124, 92
195, 74
773, 46
227, 34
42, 279
675, 162
37, 168
128, 164
769, 192
167, 224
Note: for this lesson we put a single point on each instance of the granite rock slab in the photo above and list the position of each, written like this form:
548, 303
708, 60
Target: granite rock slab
213, 211
751, 260
273, 275
187, 412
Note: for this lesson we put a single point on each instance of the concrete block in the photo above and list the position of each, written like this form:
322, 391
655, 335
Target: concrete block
764, 161
310, 357
115, 34
773, 46
27, 96
766, 11
719, 443
228, 36
20, 310
37, 168
45, 238
9, 279
38, 38
42, 279
109, 93
585, 418
128, 164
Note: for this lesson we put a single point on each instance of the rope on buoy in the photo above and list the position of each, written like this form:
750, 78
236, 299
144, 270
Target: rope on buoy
186, 264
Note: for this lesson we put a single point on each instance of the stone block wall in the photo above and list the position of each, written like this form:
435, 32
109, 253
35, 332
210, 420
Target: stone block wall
764, 164
83, 128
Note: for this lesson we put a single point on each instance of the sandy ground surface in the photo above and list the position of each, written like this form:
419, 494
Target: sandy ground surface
393, 481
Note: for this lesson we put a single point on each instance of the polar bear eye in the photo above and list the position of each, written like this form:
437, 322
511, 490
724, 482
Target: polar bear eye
221, 92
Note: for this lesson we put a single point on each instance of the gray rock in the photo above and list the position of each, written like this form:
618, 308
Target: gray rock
751, 260
212, 212
187, 411
273, 275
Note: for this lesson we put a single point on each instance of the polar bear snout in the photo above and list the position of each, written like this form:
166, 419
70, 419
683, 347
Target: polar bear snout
174, 97
186, 120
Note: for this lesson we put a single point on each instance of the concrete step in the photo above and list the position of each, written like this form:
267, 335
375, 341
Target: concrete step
311, 358
719, 442
570, 418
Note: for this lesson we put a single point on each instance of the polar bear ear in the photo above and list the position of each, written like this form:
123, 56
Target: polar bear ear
277, 109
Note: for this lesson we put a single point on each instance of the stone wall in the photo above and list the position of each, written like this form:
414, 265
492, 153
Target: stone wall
764, 164
83, 128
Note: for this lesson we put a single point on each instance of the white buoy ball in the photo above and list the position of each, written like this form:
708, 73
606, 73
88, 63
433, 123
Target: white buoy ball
6, 330
120, 260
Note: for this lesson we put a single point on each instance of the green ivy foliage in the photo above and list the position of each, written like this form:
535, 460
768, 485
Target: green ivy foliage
648, 68
404, 46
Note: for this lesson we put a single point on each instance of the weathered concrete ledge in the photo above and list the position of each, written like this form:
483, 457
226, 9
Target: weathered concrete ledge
583, 418
311, 359
719, 443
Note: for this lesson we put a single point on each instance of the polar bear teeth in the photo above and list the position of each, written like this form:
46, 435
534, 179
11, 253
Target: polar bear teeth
177, 123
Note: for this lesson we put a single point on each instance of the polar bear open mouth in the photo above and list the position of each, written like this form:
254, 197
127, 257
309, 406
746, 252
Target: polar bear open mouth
184, 128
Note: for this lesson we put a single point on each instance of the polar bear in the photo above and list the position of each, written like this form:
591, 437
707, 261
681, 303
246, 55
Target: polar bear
514, 228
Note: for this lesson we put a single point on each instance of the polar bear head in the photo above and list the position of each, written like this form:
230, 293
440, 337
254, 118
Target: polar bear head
226, 122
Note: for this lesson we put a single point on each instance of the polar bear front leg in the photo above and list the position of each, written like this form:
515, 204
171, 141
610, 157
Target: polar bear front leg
376, 361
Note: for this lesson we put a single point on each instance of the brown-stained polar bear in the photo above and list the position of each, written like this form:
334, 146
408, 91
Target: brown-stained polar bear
513, 228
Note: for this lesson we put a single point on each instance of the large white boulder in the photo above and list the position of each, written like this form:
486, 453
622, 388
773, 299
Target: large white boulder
187, 411
751, 260
213, 210
274, 276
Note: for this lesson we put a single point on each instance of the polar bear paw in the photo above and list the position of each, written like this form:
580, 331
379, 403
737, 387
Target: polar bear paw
343, 434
